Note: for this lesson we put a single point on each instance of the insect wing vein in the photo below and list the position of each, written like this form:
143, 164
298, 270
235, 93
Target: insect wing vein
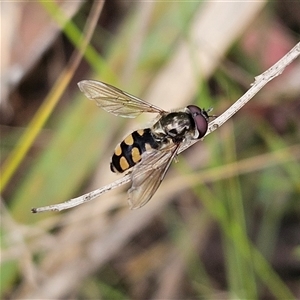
115, 100
147, 175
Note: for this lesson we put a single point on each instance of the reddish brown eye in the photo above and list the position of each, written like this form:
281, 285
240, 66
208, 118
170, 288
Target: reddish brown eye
200, 118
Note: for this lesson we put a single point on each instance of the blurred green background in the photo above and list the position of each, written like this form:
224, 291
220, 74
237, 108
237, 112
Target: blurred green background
225, 221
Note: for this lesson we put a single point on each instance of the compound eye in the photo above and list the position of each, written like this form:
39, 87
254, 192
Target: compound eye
200, 118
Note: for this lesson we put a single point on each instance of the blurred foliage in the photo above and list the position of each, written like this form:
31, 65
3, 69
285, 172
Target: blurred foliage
229, 234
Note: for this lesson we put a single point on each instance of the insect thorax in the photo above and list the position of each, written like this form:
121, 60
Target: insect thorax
176, 126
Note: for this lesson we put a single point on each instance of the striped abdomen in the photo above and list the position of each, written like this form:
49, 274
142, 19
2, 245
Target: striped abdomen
129, 151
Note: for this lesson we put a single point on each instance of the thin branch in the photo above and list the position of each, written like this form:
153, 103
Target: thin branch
260, 82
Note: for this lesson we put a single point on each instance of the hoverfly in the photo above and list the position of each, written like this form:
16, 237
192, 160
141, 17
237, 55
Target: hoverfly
146, 153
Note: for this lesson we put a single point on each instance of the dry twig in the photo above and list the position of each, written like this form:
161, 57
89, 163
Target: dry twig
260, 82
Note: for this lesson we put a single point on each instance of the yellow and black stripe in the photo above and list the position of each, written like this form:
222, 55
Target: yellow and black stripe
129, 151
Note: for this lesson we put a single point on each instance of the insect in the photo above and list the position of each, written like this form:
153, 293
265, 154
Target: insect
146, 153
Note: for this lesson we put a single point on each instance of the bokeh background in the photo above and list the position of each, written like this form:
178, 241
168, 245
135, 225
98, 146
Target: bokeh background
225, 222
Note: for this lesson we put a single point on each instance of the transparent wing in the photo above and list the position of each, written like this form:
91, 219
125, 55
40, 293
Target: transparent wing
148, 175
115, 100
